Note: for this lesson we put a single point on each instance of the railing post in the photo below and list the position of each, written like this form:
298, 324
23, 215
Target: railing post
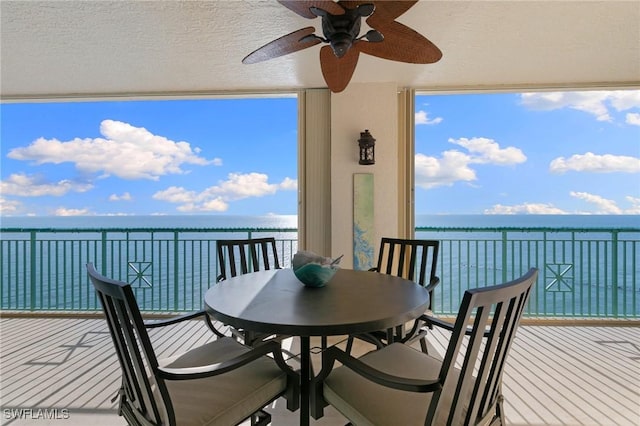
614, 272
32, 262
504, 256
176, 266
103, 258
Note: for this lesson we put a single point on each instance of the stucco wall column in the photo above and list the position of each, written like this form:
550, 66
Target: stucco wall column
360, 107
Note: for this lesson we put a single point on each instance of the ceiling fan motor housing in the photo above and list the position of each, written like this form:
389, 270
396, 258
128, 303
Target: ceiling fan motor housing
342, 30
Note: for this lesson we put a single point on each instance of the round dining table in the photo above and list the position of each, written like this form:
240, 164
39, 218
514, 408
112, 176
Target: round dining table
352, 302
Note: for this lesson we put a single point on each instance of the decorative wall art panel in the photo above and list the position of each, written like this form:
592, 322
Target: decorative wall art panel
363, 225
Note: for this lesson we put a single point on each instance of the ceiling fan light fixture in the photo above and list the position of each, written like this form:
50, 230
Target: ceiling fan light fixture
341, 30
341, 43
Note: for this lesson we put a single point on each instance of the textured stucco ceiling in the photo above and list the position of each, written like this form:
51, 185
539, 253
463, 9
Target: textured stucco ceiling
85, 48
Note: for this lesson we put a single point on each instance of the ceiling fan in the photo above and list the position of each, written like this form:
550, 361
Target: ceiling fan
341, 23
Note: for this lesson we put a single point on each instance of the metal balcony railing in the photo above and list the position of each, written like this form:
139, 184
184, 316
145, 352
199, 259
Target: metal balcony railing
169, 269
583, 272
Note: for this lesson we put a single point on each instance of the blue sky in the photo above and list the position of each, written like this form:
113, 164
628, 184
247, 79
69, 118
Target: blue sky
529, 153
224, 156
538, 153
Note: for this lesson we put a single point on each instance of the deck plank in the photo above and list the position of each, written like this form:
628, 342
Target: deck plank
556, 375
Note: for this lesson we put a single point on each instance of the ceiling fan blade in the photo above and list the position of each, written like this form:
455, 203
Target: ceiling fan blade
402, 44
387, 11
302, 8
282, 46
337, 72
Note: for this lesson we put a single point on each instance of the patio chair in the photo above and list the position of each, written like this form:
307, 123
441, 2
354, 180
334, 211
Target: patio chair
414, 260
399, 385
220, 382
238, 257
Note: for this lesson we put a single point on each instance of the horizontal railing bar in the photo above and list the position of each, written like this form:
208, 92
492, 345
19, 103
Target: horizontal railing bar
527, 229
132, 230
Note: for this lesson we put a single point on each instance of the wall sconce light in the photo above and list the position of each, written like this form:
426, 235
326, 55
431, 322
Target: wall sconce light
367, 148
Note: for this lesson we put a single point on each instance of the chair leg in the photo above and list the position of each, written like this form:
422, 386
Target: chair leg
500, 410
261, 418
349, 345
423, 345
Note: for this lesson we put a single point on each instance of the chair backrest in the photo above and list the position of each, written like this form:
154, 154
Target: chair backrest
413, 260
483, 333
139, 364
238, 257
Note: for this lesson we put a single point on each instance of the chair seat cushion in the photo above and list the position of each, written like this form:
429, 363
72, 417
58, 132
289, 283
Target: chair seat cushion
226, 399
364, 402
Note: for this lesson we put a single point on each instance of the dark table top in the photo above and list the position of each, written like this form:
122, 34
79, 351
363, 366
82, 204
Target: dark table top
352, 302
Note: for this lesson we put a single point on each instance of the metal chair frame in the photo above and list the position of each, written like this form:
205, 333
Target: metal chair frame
482, 335
414, 260
242, 256
139, 403
246, 255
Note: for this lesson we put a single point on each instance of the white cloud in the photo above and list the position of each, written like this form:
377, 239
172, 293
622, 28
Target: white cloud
488, 151
451, 168
422, 117
597, 103
633, 119
454, 165
289, 184
525, 208
593, 163
23, 185
124, 197
635, 205
62, 211
623, 100
216, 198
175, 194
215, 205
603, 205
240, 186
10, 207
125, 151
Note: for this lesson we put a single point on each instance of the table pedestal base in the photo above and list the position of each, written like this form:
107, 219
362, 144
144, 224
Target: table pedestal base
305, 379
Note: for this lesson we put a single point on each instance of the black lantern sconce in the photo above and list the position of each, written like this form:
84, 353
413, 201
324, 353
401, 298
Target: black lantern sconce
367, 148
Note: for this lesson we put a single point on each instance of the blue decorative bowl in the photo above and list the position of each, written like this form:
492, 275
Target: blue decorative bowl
314, 274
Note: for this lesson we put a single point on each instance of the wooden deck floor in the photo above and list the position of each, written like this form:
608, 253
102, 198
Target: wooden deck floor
556, 375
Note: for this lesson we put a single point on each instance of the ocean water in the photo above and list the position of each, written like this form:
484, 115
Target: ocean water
291, 221
159, 221
530, 221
